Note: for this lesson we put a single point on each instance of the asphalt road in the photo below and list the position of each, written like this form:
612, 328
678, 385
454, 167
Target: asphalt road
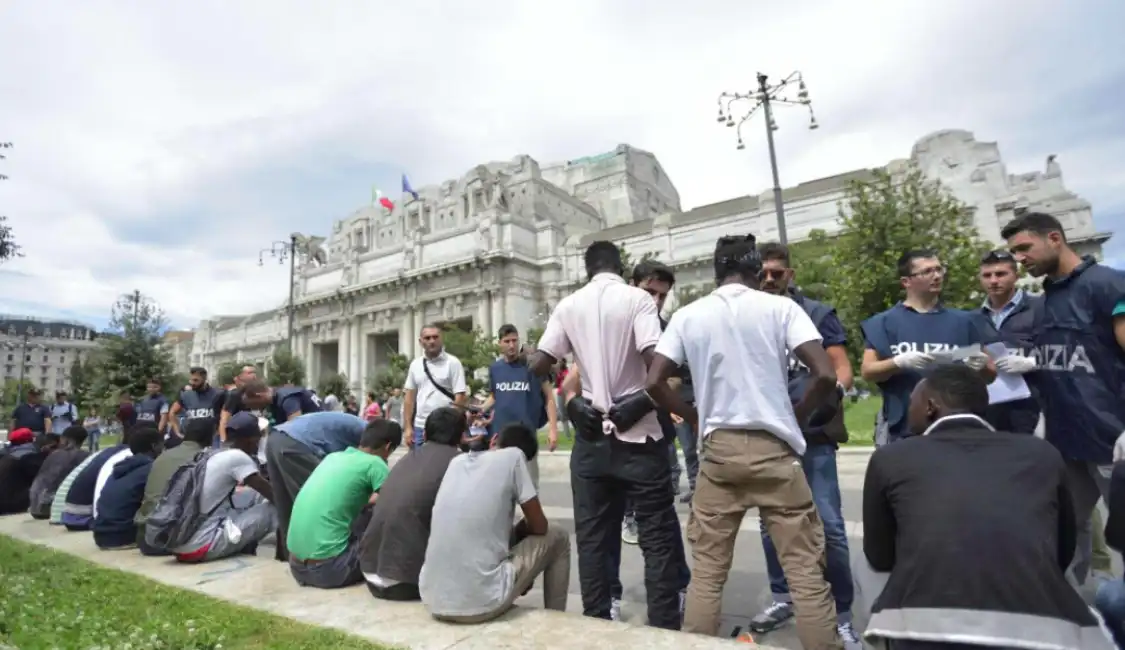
747, 590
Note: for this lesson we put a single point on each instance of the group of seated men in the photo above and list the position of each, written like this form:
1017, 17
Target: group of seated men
342, 515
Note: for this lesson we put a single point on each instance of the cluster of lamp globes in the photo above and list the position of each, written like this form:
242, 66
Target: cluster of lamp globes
726, 118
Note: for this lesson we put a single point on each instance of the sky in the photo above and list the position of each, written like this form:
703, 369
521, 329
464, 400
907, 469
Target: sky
160, 147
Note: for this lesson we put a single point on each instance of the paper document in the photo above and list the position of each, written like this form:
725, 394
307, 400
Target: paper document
957, 354
1007, 387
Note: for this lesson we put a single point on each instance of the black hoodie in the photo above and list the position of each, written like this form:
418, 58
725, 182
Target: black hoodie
119, 502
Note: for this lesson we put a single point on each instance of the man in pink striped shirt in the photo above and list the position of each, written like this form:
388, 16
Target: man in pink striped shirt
619, 453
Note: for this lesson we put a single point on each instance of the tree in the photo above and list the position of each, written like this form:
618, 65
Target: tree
389, 378
475, 350
627, 260
9, 397
8, 246
82, 375
812, 261
885, 217
226, 372
132, 354
284, 367
334, 383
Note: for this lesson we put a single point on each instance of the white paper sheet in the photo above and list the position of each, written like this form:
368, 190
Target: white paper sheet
1007, 387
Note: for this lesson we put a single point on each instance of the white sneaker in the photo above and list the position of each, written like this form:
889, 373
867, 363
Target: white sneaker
629, 532
849, 637
615, 609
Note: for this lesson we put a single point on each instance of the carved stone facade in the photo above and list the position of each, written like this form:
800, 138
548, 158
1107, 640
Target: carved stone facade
504, 242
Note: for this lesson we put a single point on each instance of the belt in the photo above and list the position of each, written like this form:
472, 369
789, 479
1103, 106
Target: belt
306, 562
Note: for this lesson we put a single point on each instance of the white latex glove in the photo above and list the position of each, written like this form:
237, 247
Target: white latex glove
1119, 448
1015, 364
976, 361
913, 360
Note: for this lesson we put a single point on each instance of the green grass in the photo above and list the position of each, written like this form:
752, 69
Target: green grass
859, 418
53, 600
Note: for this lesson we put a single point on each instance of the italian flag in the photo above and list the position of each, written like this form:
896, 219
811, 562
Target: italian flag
377, 198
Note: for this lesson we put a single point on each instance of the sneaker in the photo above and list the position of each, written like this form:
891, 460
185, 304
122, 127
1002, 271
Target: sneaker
683, 603
849, 637
629, 531
615, 609
772, 617
686, 498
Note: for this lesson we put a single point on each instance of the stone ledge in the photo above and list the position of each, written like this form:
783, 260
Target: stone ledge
264, 584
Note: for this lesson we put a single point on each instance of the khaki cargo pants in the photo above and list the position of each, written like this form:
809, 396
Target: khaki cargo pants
740, 470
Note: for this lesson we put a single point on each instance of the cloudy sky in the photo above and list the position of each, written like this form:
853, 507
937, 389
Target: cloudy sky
160, 146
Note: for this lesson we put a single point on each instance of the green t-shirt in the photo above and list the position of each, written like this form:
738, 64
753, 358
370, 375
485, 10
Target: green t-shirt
329, 502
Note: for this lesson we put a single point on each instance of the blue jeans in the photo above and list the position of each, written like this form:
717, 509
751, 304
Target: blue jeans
689, 443
819, 463
1110, 601
94, 436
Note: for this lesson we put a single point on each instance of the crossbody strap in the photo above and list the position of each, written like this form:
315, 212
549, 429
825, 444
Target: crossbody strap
429, 375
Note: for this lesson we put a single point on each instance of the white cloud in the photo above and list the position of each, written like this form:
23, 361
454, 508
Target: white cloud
160, 146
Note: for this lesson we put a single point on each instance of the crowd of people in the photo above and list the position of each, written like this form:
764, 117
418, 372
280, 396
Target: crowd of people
998, 434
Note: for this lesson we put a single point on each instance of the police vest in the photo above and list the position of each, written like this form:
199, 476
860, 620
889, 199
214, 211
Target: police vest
148, 410
199, 404
834, 431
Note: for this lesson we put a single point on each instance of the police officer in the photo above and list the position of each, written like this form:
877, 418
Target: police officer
198, 400
1080, 352
1009, 315
280, 404
154, 407
818, 461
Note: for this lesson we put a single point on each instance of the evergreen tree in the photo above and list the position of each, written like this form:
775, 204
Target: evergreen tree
284, 367
131, 354
391, 377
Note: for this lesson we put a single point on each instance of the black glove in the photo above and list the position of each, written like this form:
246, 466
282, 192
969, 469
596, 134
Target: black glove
586, 419
824, 414
628, 411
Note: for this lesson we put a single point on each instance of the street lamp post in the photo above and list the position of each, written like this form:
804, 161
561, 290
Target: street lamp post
282, 251
764, 98
23, 348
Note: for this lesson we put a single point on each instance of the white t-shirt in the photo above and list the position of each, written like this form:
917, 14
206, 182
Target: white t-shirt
225, 470
467, 571
105, 472
741, 375
447, 371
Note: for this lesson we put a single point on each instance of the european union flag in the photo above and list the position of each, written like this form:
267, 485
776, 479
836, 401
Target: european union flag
406, 187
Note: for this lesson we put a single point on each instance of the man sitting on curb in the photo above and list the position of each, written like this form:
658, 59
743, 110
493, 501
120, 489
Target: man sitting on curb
115, 525
295, 448
323, 549
394, 545
20, 463
235, 522
198, 434
78, 498
56, 467
476, 565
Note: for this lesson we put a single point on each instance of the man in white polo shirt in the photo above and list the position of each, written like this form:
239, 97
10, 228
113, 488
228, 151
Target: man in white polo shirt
619, 452
737, 341
434, 380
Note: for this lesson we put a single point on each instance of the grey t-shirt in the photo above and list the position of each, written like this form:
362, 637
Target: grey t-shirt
477, 501
225, 470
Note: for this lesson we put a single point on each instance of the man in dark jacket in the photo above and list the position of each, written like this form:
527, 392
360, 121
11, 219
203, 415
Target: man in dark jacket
78, 507
19, 465
966, 571
55, 468
120, 499
1111, 593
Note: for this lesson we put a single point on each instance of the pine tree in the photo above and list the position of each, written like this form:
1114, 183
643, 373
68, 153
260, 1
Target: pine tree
131, 354
285, 368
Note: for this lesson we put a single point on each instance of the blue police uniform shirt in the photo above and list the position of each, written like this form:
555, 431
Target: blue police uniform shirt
903, 329
517, 393
198, 404
288, 400
150, 408
1081, 373
325, 432
31, 416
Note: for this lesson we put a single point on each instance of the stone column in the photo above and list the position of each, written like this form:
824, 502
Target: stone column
355, 374
309, 351
343, 347
365, 365
498, 309
484, 314
407, 334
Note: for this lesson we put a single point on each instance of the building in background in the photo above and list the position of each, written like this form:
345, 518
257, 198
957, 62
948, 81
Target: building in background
46, 349
178, 343
504, 243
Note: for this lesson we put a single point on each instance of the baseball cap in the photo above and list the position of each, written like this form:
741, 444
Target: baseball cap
21, 436
246, 425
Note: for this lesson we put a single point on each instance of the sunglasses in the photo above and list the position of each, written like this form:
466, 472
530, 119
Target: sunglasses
996, 256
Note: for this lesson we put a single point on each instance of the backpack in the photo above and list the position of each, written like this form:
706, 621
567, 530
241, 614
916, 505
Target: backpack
179, 513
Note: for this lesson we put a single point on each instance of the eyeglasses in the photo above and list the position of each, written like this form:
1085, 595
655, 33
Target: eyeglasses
996, 256
930, 272
773, 274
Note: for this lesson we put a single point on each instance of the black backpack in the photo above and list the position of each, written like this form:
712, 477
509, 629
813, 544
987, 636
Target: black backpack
179, 512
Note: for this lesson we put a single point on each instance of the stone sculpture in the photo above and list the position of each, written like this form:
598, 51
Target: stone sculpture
311, 249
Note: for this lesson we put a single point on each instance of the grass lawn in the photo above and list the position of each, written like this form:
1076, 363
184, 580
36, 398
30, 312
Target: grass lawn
52, 600
859, 417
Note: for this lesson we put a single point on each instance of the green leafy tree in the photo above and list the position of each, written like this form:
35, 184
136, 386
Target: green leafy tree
475, 350
627, 262
533, 335
8, 246
226, 372
82, 375
812, 261
10, 397
885, 217
687, 294
391, 377
132, 354
284, 367
334, 383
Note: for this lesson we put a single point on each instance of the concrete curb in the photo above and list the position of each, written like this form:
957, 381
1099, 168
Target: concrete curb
263, 584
